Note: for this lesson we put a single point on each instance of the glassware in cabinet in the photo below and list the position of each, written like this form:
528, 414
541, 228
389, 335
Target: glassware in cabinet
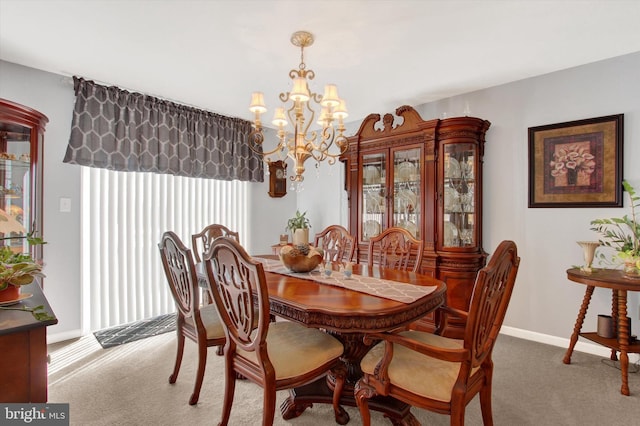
374, 195
459, 195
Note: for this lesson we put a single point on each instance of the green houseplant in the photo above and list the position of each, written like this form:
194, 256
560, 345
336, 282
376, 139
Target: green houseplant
622, 234
17, 270
299, 226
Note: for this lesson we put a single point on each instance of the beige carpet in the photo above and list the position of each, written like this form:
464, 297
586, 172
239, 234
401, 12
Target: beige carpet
128, 385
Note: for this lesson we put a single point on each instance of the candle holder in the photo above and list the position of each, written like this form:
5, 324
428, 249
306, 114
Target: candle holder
589, 251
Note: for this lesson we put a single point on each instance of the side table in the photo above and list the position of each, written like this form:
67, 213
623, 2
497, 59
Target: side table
616, 281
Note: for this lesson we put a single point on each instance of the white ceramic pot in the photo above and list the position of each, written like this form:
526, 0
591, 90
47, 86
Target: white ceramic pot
301, 236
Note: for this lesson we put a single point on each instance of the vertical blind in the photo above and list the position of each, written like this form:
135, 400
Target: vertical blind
123, 217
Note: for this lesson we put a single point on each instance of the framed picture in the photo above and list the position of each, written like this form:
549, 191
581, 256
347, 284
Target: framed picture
577, 163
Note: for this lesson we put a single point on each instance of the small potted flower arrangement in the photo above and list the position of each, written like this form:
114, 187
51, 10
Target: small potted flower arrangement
623, 235
17, 270
299, 226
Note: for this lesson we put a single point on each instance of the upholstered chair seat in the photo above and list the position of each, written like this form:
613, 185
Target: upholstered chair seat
420, 374
312, 348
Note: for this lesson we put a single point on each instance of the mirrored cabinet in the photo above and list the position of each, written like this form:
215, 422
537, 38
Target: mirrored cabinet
424, 176
21, 148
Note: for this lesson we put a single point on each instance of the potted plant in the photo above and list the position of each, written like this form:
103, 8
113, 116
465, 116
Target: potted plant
623, 235
299, 226
17, 269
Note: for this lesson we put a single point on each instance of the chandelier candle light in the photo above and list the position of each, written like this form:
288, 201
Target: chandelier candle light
299, 110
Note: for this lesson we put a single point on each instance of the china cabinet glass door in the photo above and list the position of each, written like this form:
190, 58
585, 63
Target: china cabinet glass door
21, 143
407, 190
15, 162
459, 195
374, 195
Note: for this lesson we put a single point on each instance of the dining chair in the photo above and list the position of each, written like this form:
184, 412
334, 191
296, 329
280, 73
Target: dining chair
200, 324
201, 241
276, 355
438, 373
336, 242
395, 248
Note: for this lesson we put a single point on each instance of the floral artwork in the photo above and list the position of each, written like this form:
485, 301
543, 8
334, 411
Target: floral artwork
572, 164
577, 163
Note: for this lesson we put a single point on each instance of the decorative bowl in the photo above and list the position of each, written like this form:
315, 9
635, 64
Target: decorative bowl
301, 258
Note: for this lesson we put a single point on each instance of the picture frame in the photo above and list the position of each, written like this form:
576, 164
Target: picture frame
576, 163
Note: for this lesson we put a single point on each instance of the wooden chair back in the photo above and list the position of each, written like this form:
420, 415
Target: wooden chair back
201, 241
179, 269
336, 242
238, 283
395, 248
489, 301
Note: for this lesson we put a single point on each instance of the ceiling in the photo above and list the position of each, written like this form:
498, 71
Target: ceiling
381, 53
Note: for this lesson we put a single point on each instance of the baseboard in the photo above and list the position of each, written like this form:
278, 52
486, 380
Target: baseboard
581, 346
66, 335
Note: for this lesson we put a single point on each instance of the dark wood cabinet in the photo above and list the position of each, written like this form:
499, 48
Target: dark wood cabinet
23, 345
21, 179
23, 339
424, 176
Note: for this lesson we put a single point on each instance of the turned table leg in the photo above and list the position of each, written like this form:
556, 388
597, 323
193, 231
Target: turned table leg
579, 322
623, 340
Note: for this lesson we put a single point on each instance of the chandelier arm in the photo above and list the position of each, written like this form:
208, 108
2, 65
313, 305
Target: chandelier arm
257, 138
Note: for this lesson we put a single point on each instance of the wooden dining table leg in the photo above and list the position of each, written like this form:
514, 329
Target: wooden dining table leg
576, 329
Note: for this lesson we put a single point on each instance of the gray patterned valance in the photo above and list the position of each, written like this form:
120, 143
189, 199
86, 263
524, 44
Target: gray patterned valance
119, 130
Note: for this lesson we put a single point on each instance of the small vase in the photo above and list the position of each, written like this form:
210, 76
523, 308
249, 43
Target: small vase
589, 251
10, 293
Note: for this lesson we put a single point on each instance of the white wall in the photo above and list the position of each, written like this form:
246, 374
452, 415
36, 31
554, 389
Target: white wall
544, 304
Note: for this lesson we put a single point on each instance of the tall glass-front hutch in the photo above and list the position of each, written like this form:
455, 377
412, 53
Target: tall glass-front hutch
21, 149
426, 177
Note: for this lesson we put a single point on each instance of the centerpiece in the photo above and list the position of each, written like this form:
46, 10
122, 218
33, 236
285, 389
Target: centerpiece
301, 257
622, 234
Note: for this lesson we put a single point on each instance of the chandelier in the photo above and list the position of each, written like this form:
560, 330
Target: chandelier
309, 125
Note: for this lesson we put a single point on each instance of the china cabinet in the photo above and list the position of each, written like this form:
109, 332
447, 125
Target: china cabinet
424, 176
21, 150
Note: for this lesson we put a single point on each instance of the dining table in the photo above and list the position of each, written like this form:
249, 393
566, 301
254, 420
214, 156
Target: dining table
349, 308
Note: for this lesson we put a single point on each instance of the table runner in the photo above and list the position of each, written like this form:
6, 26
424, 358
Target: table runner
394, 290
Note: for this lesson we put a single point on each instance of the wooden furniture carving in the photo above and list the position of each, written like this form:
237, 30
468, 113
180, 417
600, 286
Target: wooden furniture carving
424, 176
200, 324
614, 280
442, 374
278, 355
337, 243
395, 248
201, 241
21, 149
23, 344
